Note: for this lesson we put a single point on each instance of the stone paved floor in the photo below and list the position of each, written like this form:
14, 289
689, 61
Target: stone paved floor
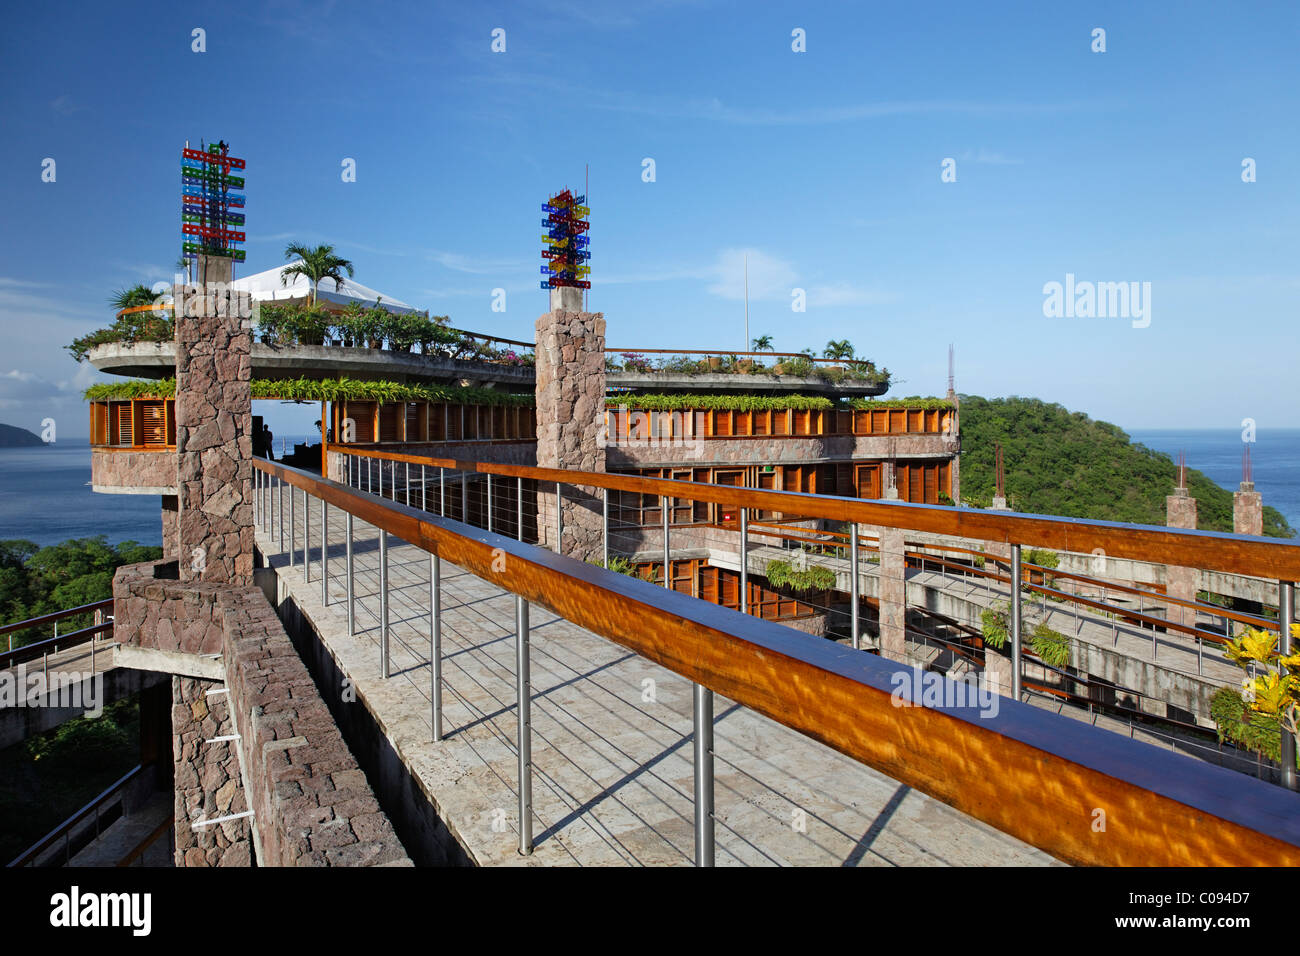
613, 771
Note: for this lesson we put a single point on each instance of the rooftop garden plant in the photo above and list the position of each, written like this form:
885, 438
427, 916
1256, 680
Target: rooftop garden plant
314, 264
782, 574
324, 390
739, 403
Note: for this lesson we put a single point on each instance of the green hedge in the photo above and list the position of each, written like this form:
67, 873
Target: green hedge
738, 403
915, 401
326, 390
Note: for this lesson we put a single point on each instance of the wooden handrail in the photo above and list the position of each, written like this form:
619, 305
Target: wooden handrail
1036, 775
104, 605
1210, 550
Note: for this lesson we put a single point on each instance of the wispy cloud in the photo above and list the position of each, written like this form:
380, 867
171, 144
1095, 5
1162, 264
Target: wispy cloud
989, 157
65, 106
477, 265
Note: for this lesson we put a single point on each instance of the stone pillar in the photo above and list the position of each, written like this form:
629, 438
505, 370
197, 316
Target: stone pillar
893, 588
997, 668
170, 514
1247, 510
1180, 508
570, 419
214, 444
207, 778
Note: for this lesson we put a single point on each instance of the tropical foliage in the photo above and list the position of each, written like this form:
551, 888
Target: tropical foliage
325, 390
1064, 463
1052, 647
738, 403
150, 326
314, 264
36, 580
1235, 721
914, 401
1270, 695
782, 574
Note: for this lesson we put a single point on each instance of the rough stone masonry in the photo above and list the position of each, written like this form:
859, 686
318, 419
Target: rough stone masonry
570, 423
214, 442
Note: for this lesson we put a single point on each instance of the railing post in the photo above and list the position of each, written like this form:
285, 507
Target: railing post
668, 568
306, 538
442, 492
744, 560
380, 467
383, 602
435, 643
369, 461
257, 497
408, 483
324, 553
489, 501
279, 482
270, 501
293, 527
1015, 621
523, 704
352, 600
559, 516
519, 508
424, 490
1286, 617
855, 586
703, 723
605, 527
464, 495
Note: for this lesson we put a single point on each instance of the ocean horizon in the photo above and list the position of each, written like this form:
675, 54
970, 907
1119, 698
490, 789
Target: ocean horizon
45, 493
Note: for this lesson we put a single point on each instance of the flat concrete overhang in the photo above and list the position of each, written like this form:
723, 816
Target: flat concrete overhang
158, 360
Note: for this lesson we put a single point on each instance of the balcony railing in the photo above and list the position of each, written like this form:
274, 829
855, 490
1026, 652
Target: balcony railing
1036, 775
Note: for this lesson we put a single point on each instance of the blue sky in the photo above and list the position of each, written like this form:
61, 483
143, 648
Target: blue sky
823, 166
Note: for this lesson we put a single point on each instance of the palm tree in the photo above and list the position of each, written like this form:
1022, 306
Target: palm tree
763, 343
314, 265
130, 298
841, 350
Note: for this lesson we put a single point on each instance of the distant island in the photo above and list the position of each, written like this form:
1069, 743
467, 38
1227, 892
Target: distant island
11, 436
1059, 462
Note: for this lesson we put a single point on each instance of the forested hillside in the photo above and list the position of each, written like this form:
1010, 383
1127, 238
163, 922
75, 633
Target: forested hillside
1063, 462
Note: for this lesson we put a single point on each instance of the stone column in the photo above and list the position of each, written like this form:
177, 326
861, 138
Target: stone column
214, 444
1247, 510
893, 589
570, 419
207, 778
170, 515
1180, 509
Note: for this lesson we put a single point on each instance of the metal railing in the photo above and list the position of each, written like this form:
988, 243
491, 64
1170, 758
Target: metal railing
103, 624
110, 798
995, 768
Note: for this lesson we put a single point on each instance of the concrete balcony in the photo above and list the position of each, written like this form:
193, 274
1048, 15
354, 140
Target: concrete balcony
158, 360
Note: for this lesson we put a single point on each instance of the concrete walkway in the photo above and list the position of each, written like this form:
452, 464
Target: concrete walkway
611, 740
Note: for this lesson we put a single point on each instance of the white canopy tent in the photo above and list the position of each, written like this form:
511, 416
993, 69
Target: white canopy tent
267, 287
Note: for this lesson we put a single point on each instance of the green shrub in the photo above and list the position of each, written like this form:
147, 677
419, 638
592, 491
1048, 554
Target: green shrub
1052, 646
1258, 733
781, 574
995, 625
